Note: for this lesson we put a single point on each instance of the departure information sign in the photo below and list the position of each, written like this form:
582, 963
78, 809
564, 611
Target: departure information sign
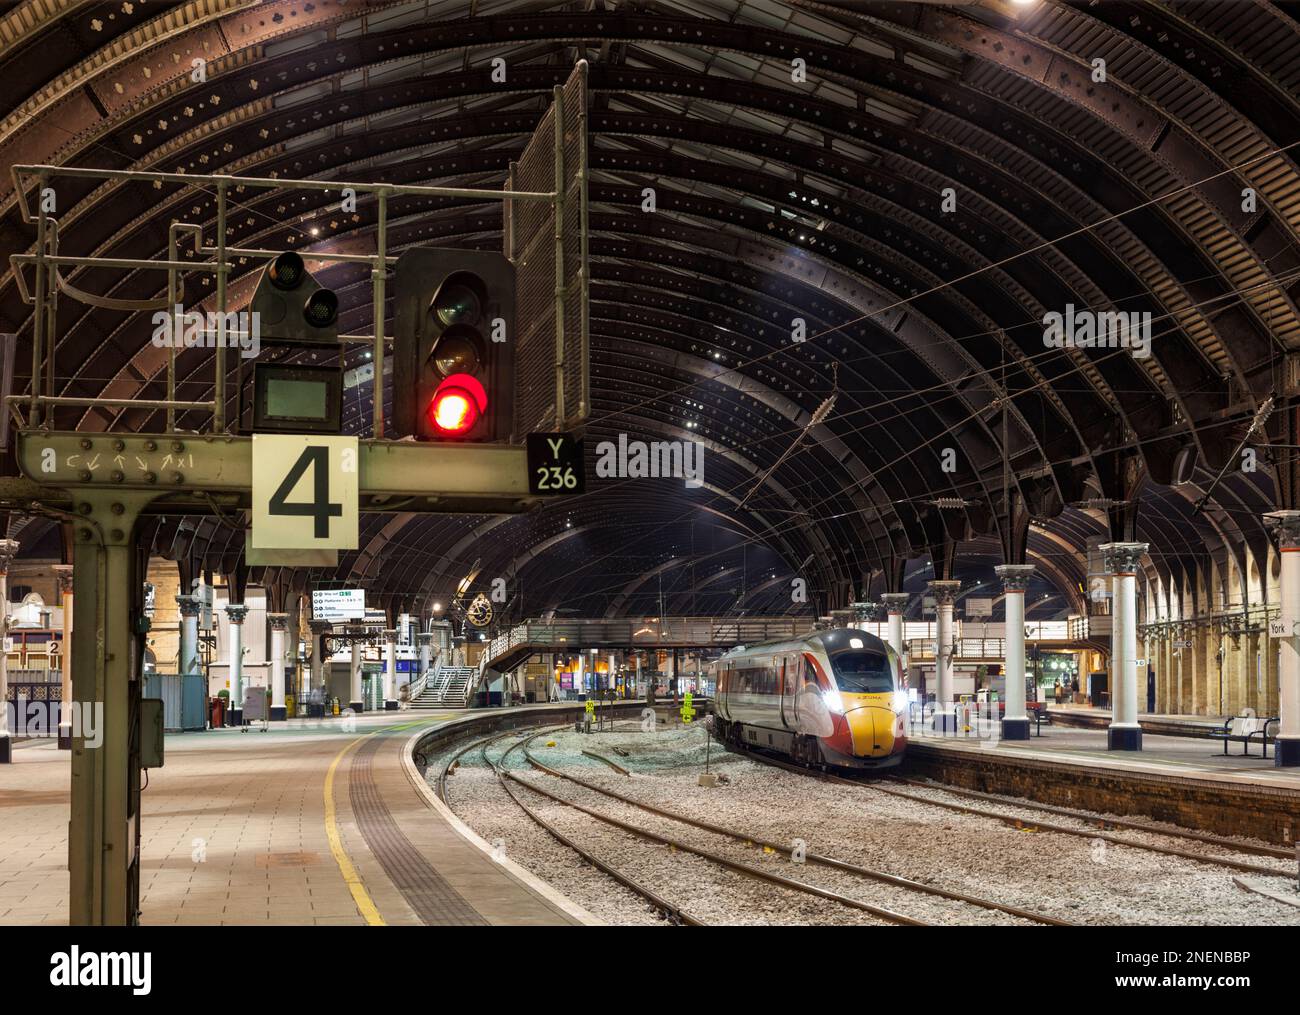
338, 605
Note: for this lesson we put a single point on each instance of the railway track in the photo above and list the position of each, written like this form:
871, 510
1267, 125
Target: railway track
670, 912
745, 870
809, 857
1046, 826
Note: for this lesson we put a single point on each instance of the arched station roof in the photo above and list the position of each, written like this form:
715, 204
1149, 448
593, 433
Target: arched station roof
1169, 188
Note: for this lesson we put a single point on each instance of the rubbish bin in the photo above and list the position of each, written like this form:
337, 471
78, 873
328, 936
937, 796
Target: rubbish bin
216, 712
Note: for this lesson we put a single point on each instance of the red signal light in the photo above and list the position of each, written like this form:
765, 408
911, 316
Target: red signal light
457, 405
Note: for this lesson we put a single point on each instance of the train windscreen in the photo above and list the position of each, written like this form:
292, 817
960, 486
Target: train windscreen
862, 672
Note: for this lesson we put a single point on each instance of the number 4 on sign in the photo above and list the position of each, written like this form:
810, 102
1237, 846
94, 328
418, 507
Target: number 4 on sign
305, 491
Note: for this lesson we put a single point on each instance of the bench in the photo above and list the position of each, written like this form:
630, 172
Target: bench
1038, 712
1241, 728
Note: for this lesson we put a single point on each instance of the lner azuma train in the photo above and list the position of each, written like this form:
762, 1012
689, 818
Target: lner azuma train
830, 698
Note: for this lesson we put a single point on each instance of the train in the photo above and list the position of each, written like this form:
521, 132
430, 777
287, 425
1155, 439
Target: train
833, 698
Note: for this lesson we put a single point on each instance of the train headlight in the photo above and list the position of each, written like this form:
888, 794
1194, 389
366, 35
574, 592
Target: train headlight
900, 701
831, 699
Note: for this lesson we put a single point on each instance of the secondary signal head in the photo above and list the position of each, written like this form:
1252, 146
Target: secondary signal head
286, 271
322, 308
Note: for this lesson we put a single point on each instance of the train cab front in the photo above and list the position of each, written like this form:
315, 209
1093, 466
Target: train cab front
870, 724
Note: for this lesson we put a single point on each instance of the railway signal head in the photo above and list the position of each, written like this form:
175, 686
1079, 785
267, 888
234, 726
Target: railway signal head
292, 307
453, 349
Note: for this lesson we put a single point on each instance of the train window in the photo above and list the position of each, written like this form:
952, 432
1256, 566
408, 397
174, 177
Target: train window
862, 672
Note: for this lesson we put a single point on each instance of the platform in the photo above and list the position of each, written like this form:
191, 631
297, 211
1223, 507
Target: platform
1184, 779
1172, 724
304, 824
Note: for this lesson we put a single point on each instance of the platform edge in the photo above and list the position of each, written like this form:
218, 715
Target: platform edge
521, 874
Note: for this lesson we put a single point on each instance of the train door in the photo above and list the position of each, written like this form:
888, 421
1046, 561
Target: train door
789, 688
794, 681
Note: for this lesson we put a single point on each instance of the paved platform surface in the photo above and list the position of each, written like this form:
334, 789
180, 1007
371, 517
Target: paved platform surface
305, 824
1187, 719
1193, 757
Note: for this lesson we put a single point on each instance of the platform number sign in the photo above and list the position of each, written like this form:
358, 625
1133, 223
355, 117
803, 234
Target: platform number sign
555, 465
304, 492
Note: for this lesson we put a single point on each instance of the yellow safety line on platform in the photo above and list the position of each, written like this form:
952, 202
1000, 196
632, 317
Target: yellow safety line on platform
365, 904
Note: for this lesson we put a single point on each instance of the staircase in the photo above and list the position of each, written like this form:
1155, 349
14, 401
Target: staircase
447, 687
455, 690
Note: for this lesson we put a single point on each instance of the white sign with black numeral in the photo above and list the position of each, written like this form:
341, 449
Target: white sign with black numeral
305, 491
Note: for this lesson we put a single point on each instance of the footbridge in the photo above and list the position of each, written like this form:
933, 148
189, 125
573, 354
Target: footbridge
511, 648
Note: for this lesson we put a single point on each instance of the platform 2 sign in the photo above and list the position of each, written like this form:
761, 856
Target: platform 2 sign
305, 492
555, 465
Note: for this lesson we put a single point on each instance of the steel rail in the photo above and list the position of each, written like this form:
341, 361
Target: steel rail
722, 861
817, 858
1024, 823
670, 912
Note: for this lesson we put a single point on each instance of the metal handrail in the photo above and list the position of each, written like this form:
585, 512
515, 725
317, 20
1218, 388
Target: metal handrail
43, 294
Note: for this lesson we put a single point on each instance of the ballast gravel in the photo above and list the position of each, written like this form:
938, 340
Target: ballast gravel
1081, 880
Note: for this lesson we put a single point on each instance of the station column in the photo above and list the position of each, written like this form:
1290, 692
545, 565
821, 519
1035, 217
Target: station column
1015, 580
390, 671
64, 574
8, 550
1286, 751
279, 624
356, 704
236, 612
317, 680
945, 593
187, 658
895, 604
1121, 560
425, 640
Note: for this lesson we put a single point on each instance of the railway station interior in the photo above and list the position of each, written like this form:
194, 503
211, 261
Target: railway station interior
650, 463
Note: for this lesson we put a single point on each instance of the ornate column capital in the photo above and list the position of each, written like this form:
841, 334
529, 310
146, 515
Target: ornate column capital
865, 611
236, 612
424, 638
1286, 525
1015, 577
895, 602
191, 606
63, 574
8, 551
390, 635
320, 626
944, 591
278, 621
1122, 558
